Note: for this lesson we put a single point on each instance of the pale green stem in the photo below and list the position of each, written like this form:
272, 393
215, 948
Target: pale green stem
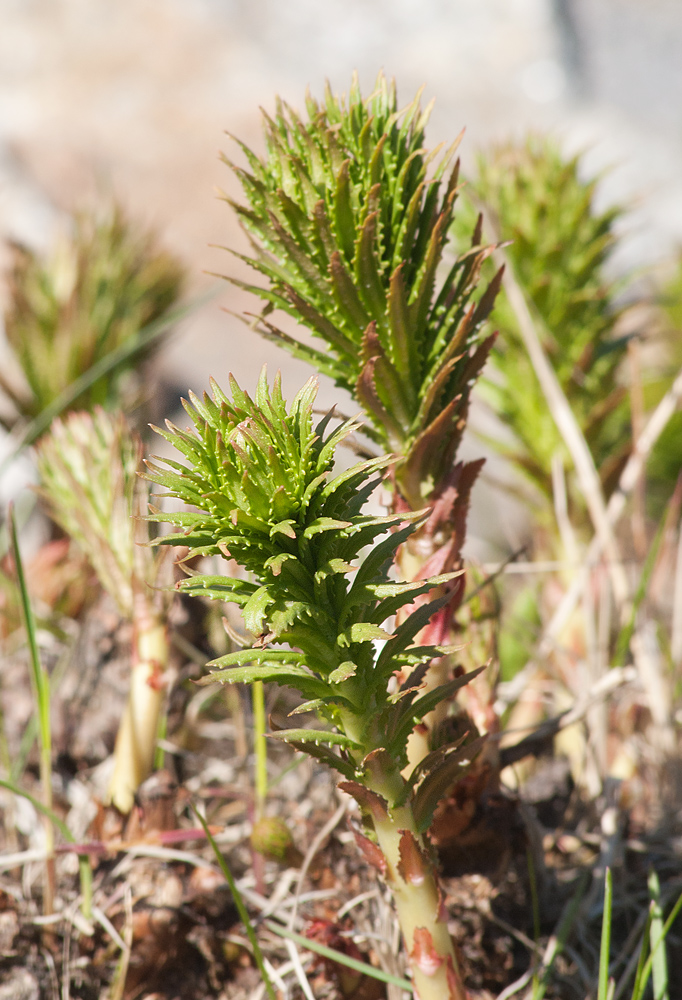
46, 783
136, 739
411, 559
260, 746
418, 902
413, 880
85, 871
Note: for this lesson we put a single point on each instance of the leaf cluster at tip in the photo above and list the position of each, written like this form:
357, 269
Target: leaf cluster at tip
348, 216
259, 478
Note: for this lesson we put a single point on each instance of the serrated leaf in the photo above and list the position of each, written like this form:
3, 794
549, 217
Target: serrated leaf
367, 272
343, 672
300, 680
239, 657
346, 295
438, 782
316, 736
255, 609
368, 800
411, 709
324, 524
406, 632
344, 223
365, 632
326, 755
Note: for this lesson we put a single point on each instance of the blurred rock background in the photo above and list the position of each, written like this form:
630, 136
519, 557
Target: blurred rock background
132, 98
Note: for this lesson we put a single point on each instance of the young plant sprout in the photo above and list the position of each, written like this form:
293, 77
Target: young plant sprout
88, 465
260, 479
350, 229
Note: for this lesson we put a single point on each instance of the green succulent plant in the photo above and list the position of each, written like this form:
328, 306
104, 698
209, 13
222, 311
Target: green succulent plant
349, 216
559, 245
260, 480
96, 292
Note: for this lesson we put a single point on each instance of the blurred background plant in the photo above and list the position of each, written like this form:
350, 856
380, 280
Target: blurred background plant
88, 466
88, 301
609, 346
559, 244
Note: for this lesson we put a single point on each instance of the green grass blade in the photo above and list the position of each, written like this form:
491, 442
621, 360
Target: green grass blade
659, 965
625, 635
241, 908
638, 989
41, 681
337, 956
660, 942
40, 807
558, 941
605, 950
144, 338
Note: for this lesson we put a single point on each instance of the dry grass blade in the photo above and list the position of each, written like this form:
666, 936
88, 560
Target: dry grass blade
566, 422
615, 508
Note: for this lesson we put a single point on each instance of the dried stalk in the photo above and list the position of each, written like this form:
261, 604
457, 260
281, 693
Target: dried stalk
614, 510
573, 436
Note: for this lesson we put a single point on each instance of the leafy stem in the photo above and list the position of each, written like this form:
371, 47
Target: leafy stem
260, 479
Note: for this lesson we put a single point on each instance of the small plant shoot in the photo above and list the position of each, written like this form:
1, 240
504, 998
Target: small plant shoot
260, 479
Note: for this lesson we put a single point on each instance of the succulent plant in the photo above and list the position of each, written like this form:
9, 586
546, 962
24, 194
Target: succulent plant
260, 481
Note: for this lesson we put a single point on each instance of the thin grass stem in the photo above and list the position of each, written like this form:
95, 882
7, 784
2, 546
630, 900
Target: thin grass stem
239, 903
337, 956
260, 747
659, 943
41, 693
605, 950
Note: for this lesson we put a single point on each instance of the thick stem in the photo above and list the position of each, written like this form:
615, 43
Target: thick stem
412, 558
136, 739
420, 739
413, 880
